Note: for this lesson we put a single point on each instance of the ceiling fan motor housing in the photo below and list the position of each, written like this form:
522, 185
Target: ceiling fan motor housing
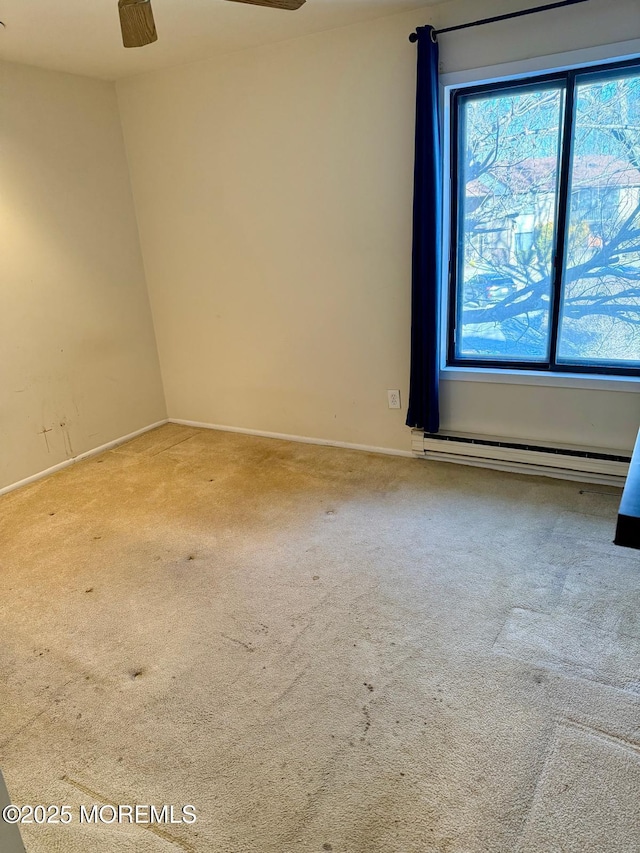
137, 23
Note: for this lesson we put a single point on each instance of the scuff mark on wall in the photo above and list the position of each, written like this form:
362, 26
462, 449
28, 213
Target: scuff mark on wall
66, 438
44, 432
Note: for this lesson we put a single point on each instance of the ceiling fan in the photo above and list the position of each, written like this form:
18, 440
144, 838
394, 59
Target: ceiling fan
139, 28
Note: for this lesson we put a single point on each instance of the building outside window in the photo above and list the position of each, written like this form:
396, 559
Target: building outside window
545, 270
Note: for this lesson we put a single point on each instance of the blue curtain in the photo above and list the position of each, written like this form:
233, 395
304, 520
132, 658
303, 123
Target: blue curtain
427, 246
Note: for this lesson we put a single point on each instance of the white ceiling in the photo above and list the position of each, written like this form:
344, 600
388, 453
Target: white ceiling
83, 36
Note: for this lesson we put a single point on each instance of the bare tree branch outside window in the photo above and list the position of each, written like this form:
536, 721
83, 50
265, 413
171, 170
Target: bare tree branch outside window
509, 154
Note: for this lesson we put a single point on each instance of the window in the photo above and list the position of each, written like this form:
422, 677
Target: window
545, 271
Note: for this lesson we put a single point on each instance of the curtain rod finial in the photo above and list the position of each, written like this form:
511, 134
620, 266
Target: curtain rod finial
432, 31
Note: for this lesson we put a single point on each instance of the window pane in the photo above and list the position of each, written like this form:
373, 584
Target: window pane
508, 156
600, 317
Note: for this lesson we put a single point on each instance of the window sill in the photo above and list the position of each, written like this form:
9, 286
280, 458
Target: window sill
591, 382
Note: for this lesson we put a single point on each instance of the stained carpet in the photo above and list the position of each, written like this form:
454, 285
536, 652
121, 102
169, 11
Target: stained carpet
321, 650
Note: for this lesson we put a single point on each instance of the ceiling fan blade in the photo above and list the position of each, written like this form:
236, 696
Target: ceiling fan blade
137, 23
276, 4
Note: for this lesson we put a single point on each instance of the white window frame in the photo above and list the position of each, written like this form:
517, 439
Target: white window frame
496, 74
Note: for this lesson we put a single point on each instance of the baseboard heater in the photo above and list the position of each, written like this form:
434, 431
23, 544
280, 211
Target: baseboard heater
567, 463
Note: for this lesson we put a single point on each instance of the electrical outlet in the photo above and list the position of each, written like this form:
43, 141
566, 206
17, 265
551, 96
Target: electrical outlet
394, 399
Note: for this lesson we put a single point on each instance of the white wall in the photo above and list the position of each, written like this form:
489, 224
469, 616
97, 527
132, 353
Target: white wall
77, 348
273, 192
273, 189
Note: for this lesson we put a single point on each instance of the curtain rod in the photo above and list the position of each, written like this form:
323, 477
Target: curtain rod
560, 4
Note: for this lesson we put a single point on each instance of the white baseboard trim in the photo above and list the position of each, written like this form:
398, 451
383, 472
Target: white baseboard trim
602, 476
300, 439
86, 455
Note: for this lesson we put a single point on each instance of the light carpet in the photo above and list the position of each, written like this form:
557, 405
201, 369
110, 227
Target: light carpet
321, 650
